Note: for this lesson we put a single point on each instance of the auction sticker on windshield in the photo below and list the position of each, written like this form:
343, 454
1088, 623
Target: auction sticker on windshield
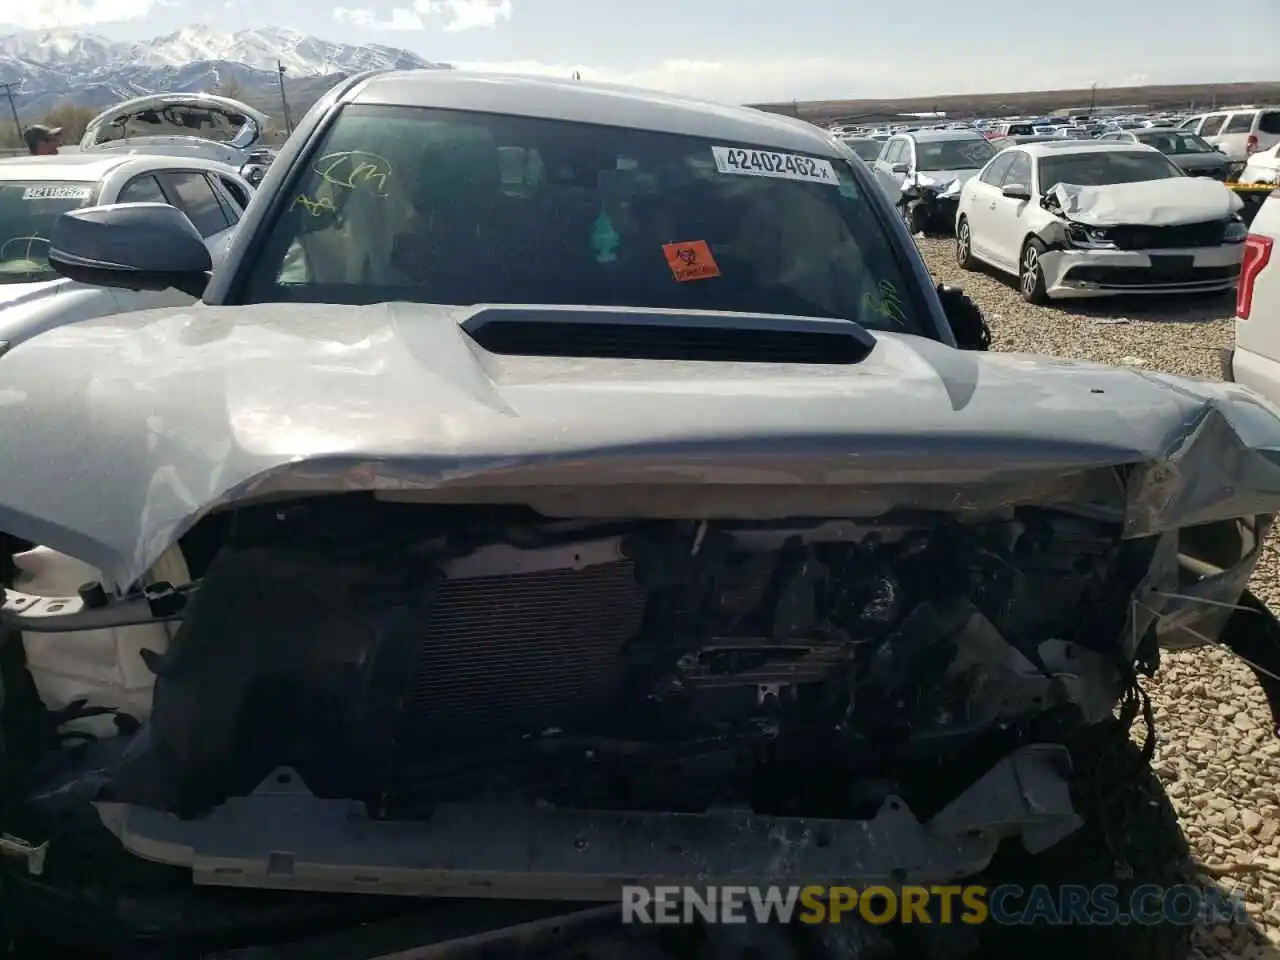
50, 192
766, 163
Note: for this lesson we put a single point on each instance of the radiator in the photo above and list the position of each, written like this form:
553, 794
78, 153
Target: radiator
523, 651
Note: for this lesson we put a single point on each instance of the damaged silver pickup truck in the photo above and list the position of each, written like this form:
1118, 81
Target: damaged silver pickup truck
510, 525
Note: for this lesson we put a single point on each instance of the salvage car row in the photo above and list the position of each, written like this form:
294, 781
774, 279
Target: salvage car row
595, 492
1241, 135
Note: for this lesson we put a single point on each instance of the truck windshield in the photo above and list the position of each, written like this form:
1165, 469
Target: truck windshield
28, 209
418, 204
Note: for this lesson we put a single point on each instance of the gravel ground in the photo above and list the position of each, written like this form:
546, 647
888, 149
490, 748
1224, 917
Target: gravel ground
1216, 755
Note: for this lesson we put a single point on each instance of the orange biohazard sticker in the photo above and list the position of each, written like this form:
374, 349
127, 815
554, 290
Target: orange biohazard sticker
691, 260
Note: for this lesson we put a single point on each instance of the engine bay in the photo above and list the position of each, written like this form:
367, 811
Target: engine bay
404, 655
409, 664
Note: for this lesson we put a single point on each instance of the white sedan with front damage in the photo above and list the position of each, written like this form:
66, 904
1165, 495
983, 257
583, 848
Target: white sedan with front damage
1075, 219
35, 191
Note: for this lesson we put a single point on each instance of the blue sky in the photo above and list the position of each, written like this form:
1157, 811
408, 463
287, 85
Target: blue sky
762, 49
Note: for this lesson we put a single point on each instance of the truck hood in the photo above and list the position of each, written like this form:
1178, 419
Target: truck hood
29, 309
121, 432
1153, 203
13, 294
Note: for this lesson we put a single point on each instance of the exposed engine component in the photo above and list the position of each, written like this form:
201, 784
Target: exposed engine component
469, 672
403, 656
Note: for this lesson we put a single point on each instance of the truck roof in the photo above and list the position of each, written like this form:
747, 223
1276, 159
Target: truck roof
576, 101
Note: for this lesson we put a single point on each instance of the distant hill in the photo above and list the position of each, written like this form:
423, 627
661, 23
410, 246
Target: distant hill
962, 106
60, 69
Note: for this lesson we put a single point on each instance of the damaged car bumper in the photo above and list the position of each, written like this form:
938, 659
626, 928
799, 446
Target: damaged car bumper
1094, 273
931, 204
283, 838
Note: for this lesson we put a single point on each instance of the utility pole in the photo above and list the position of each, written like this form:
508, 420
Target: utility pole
17, 124
284, 102
1093, 98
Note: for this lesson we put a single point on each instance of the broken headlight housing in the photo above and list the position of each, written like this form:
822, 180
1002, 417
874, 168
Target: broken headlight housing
1089, 238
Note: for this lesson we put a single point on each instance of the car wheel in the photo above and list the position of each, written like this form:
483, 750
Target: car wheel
964, 245
917, 220
1130, 841
1031, 274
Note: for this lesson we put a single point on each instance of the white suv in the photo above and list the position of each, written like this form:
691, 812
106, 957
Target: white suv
1255, 361
1238, 133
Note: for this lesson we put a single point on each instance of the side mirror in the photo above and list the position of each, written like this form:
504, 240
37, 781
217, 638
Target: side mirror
133, 246
901, 168
965, 318
1016, 191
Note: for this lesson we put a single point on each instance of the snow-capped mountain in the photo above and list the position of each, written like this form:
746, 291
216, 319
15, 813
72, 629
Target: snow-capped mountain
52, 68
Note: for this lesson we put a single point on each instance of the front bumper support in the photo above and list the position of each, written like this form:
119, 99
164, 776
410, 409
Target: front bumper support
283, 838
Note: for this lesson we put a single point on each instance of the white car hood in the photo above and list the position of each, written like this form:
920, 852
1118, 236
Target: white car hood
1154, 203
945, 181
234, 127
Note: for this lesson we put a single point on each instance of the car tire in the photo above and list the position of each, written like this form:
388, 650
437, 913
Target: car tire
1030, 273
1130, 839
964, 245
917, 220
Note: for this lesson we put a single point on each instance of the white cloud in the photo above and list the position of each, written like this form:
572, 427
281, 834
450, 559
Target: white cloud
462, 15
48, 14
467, 14
400, 18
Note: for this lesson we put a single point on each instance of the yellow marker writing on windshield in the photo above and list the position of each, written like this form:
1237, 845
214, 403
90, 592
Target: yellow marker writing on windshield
316, 206
886, 302
354, 169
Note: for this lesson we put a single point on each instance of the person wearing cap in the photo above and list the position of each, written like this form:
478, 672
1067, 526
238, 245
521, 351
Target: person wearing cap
42, 140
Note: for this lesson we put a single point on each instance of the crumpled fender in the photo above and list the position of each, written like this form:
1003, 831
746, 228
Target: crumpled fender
1054, 235
951, 191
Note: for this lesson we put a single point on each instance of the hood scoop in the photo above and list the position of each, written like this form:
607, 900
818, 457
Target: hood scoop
625, 334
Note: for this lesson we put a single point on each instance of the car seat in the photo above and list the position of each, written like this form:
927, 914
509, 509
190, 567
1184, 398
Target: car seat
455, 236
